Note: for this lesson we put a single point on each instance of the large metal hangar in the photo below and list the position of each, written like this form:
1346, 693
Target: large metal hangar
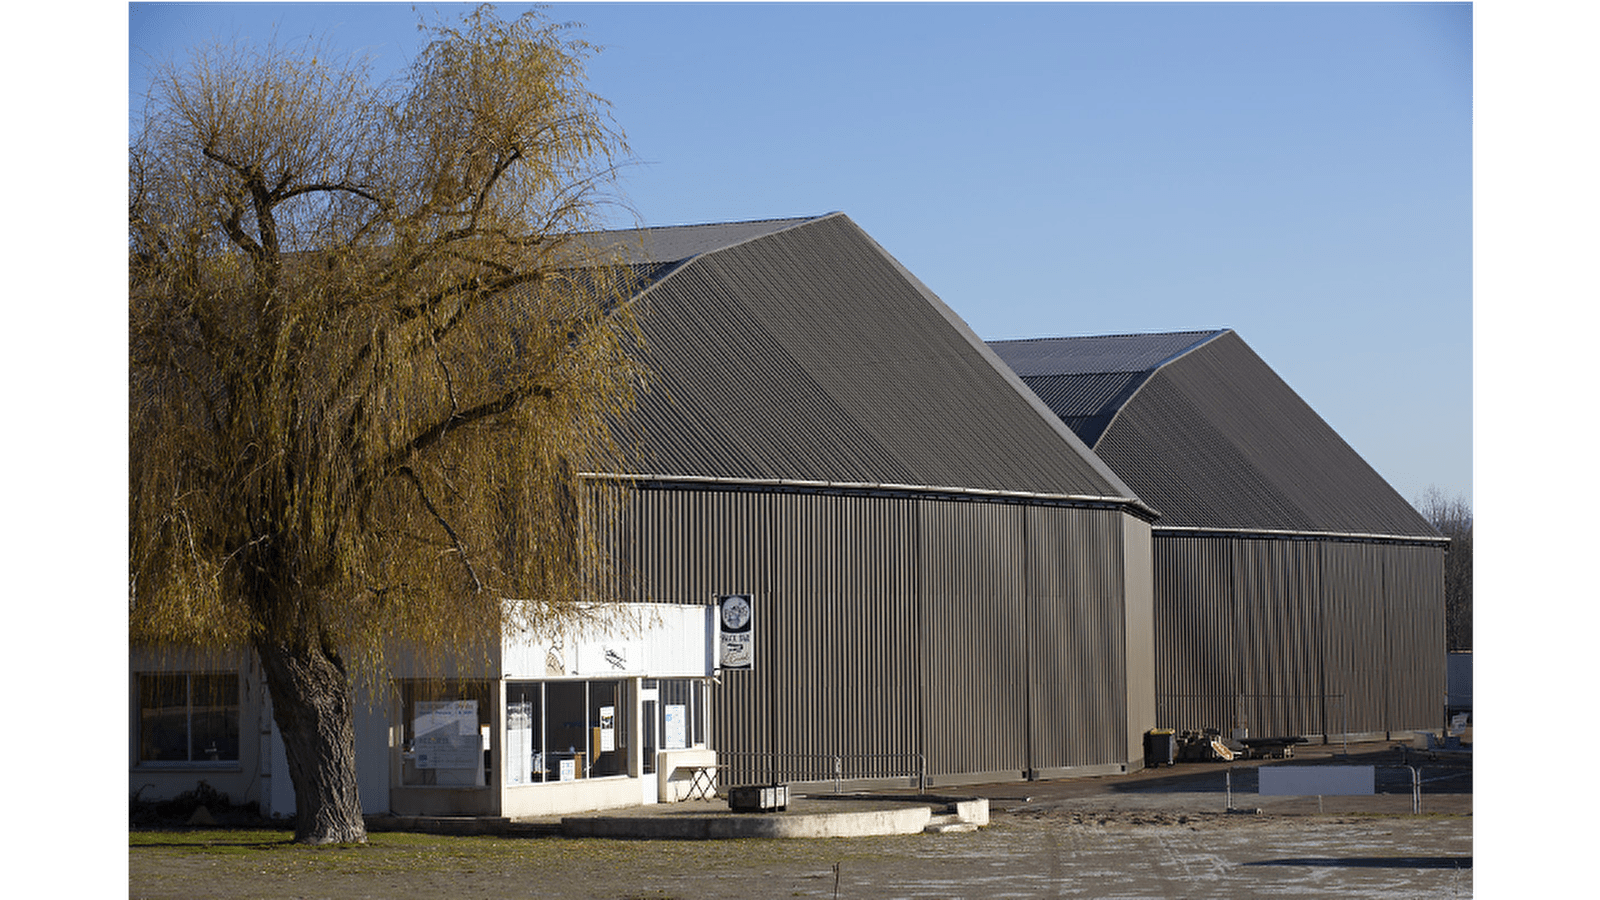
944, 584
957, 570
1296, 593
947, 584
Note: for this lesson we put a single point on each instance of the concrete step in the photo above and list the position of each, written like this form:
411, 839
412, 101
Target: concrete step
948, 823
949, 828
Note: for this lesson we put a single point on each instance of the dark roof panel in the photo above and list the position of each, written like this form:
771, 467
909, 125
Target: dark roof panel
1098, 354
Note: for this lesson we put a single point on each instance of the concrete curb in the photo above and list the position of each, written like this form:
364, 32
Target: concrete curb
907, 816
909, 820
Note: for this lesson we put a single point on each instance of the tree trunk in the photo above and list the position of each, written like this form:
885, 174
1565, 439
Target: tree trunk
312, 704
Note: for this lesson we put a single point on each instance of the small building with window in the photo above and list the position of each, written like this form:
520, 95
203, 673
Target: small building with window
611, 714
615, 713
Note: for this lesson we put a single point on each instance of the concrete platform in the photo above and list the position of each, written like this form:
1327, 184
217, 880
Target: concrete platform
843, 815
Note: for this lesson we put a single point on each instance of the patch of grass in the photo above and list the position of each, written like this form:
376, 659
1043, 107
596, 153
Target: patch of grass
204, 839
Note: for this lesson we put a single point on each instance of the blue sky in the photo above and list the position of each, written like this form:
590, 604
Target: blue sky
1301, 173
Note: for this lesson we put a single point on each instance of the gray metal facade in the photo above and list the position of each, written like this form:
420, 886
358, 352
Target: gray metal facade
1296, 593
1297, 637
982, 639
940, 566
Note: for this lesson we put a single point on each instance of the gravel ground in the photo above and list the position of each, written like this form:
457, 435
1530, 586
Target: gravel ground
1163, 833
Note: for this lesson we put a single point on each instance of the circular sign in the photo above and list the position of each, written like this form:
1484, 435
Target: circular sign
735, 612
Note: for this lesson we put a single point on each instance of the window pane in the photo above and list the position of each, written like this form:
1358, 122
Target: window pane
525, 759
448, 753
163, 718
607, 730
682, 709
214, 718
566, 725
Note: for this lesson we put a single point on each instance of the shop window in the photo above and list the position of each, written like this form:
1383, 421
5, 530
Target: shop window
564, 731
444, 733
525, 756
188, 717
683, 720
608, 730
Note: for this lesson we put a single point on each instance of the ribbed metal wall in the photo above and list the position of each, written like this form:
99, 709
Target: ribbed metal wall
974, 660
1075, 620
988, 637
1414, 580
1355, 645
1297, 636
1196, 622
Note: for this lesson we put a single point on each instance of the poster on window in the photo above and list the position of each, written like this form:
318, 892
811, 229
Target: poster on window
735, 632
608, 729
447, 735
677, 730
519, 743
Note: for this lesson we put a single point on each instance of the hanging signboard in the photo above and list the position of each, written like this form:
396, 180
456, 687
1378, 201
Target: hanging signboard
735, 632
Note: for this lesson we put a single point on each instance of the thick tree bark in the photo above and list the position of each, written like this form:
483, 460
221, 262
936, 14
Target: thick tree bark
312, 702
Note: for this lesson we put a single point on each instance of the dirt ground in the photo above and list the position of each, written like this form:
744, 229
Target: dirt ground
1162, 833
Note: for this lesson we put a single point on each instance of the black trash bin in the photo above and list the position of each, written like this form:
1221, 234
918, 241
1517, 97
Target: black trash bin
1160, 747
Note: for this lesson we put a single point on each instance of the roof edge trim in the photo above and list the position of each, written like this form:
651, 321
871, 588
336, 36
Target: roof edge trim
796, 222
1353, 536
1132, 503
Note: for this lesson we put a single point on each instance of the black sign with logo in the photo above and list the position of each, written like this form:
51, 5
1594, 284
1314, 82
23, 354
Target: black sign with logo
735, 632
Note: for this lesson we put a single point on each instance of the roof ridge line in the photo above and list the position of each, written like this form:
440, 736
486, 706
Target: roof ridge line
1125, 334
1125, 397
793, 224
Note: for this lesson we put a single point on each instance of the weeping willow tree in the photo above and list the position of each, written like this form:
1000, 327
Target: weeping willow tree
369, 350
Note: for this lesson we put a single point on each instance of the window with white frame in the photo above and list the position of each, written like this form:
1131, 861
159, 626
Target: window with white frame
683, 713
188, 718
565, 730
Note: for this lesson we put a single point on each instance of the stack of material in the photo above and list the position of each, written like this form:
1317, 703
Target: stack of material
1206, 746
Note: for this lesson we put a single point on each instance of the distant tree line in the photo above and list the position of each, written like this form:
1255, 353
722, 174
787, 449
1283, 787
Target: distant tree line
1453, 517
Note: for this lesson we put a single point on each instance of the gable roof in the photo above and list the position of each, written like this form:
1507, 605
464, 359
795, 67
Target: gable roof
797, 350
1086, 380
1207, 432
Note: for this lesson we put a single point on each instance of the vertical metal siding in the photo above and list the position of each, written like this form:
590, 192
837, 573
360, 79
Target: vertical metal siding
973, 662
1279, 608
1297, 636
1414, 591
1355, 641
1196, 622
897, 625
1076, 639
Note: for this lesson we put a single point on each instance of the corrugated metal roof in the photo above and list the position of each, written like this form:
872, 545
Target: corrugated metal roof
801, 351
677, 243
1098, 354
1206, 432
